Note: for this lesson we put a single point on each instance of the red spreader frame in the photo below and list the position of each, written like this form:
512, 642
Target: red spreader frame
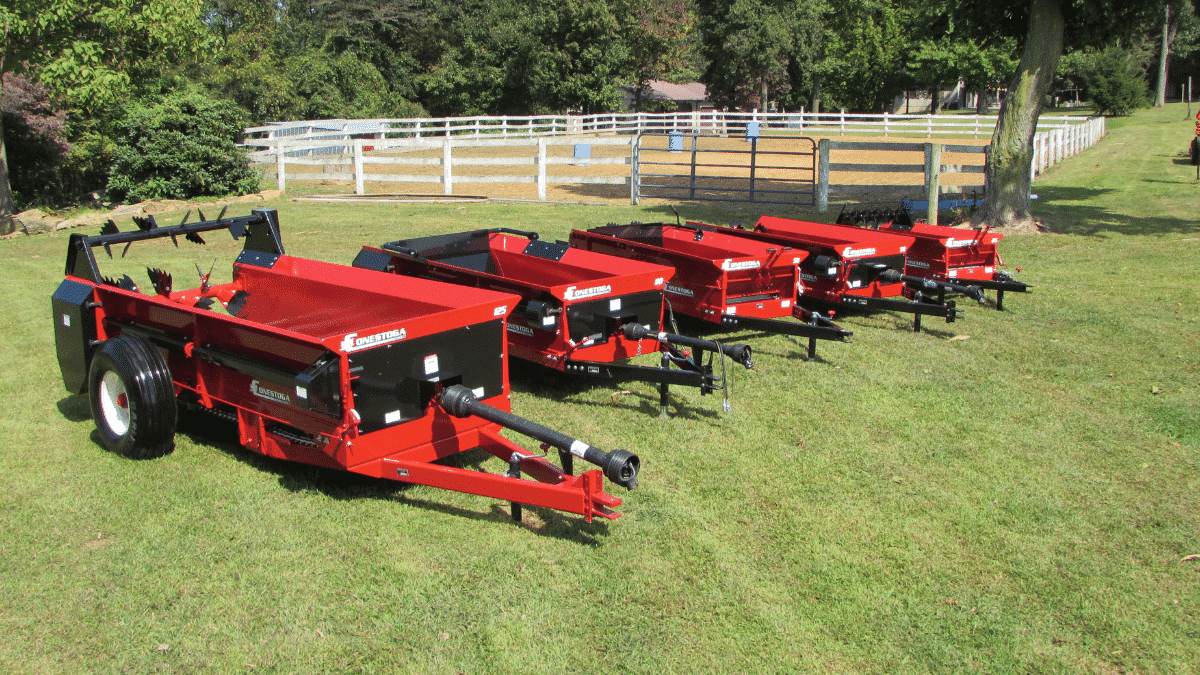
941, 253
579, 312
316, 363
857, 268
722, 279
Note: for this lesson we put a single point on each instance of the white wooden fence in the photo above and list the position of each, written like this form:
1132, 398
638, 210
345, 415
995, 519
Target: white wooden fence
1054, 145
335, 135
360, 160
348, 150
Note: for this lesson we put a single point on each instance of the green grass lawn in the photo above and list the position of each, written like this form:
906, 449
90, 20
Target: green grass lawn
1012, 493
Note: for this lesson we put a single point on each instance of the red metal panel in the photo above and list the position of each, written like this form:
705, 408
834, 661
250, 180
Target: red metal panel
715, 273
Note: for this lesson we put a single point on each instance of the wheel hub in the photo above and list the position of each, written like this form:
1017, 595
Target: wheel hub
114, 403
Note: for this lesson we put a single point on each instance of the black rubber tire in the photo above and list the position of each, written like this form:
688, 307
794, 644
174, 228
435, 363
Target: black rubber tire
132, 398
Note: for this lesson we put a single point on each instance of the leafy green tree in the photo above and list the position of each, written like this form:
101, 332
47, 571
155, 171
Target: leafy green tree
871, 67
658, 35
934, 65
746, 44
941, 63
983, 68
181, 147
531, 57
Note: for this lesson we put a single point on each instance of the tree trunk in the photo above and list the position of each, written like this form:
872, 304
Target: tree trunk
1170, 30
1160, 93
8, 207
981, 104
816, 93
1006, 198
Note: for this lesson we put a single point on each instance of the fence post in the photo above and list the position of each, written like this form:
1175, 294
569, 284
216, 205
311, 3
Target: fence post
933, 169
541, 162
842, 123
692, 180
634, 169
358, 167
823, 174
801, 119
280, 176
1033, 166
447, 177
885, 124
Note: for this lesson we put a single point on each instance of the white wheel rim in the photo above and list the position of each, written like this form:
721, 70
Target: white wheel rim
114, 403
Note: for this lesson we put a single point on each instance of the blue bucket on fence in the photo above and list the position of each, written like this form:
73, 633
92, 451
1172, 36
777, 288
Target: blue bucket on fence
583, 152
675, 141
752, 130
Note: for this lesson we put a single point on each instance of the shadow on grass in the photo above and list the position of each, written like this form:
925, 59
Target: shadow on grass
548, 383
1089, 220
204, 429
75, 408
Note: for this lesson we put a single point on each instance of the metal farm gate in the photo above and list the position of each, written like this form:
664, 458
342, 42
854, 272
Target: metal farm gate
760, 169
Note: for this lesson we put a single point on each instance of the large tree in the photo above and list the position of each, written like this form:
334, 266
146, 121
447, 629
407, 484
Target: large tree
1044, 27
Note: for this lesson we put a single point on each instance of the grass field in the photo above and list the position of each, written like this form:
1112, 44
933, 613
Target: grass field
1012, 493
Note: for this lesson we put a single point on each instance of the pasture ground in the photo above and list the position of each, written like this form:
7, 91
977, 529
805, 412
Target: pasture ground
1013, 493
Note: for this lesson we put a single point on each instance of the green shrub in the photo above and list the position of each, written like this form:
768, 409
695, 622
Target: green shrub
1116, 83
181, 147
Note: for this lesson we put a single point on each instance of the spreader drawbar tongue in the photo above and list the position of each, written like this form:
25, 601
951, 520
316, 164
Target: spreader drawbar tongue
892, 276
620, 466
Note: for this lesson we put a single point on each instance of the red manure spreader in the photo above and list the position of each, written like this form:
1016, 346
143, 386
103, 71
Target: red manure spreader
858, 268
722, 279
316, 363
579, 312
942, 253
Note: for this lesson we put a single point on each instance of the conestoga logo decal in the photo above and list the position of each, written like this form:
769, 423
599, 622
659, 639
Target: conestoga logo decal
678, 290
918, 263
353, 343
269, 394
522, 330
572, 294
730, 266
855, 252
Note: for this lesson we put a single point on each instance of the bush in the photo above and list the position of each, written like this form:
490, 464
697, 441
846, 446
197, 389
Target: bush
36, 144
179, 148
1116, 83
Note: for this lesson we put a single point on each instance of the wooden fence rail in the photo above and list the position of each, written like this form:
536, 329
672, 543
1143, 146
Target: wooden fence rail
360, 159
334, 136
